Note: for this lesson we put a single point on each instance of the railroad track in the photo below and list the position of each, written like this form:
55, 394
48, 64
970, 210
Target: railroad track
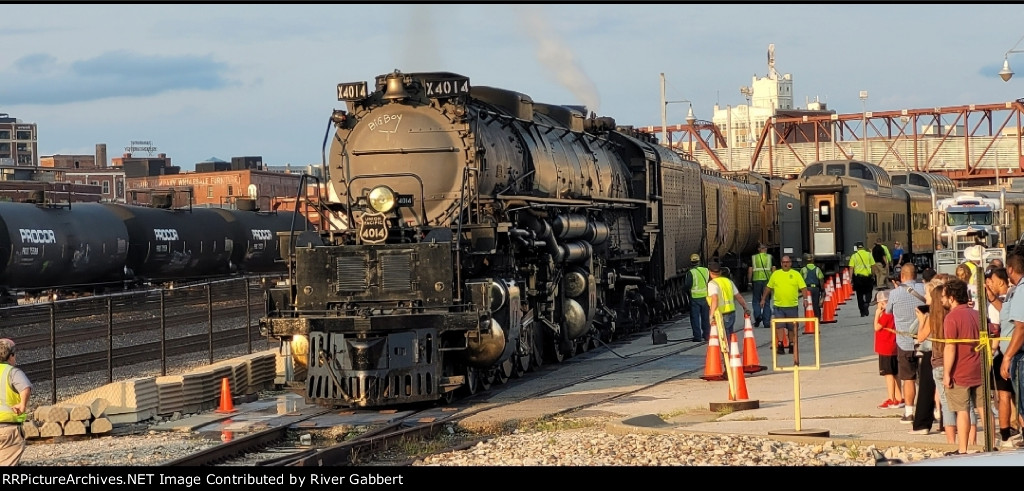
275, 446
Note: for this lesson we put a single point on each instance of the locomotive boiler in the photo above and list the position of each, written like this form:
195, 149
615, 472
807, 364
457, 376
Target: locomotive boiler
490, 234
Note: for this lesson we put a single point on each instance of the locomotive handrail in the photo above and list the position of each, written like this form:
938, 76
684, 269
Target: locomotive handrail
570, 202
404, 151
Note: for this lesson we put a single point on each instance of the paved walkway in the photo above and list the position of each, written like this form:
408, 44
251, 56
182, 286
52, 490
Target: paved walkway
839, 399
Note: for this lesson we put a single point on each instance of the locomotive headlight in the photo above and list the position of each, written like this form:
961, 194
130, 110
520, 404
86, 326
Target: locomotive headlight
382, 199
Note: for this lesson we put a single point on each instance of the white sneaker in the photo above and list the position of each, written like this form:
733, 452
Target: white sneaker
1007, 444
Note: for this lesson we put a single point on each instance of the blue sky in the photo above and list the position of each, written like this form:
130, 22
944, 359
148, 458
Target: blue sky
221, 80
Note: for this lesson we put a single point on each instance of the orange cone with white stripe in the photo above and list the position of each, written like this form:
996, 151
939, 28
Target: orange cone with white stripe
828, 314
713, 360
830, 295
837, 288
751, 363
847, 283
737, 370
809, 313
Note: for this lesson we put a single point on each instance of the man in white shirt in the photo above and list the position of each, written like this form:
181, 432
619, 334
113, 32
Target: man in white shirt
723, 296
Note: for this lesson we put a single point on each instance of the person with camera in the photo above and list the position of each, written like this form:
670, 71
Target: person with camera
903, 302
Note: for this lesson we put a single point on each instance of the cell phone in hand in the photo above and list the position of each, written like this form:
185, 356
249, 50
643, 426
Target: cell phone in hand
923, 309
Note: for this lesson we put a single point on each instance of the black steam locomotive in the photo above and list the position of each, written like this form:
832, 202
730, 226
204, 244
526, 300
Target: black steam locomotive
89, 247
490, 234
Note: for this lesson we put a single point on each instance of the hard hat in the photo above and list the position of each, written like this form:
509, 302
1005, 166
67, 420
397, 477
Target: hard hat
694, 258
808, 257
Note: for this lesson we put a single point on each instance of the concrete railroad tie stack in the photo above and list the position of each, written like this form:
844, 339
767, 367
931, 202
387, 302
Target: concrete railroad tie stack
68, 419
139, 399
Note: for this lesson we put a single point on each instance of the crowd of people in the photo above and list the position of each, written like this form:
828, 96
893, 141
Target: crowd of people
929, 334
928, 329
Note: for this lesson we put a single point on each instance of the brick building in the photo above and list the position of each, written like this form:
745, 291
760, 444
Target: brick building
221, 187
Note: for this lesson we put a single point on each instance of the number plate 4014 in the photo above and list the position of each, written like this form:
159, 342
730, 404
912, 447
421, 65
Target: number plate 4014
373, 229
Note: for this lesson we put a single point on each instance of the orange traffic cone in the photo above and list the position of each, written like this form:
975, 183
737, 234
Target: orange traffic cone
837, 293
737, 370
828, 314
713, 360
841, 298
847, 284
226, 404
751, 363
830, 293
809, 313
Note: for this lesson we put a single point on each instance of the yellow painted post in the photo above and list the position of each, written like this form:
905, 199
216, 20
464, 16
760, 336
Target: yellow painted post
723, 344
796, 396
796, 368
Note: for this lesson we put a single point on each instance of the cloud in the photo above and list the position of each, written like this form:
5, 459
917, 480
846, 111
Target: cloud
35, 63
40, 79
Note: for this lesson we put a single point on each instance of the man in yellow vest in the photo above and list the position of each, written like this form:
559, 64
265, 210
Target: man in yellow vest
760, 269
696, 281
973, 257
14, 407
723, 297
788, 288
861, 262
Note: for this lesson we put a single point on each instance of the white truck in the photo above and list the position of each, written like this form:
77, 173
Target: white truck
968, 218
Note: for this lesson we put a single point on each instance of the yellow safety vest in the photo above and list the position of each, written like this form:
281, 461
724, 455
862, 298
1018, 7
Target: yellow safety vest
699, 287
888, 256
974, 270
762, 263
861, 262
725, 297
7, 414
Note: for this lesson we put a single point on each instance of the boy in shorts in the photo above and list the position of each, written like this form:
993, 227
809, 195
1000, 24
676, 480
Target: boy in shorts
885, 346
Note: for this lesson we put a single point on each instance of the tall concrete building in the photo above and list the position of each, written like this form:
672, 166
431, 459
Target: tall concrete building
767, 96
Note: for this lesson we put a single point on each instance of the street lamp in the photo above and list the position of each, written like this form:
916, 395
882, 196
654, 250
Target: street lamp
864, 124
1006, 73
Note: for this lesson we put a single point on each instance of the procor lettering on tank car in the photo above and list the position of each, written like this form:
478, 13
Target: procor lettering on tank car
92, 246
491, 234
42, 246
